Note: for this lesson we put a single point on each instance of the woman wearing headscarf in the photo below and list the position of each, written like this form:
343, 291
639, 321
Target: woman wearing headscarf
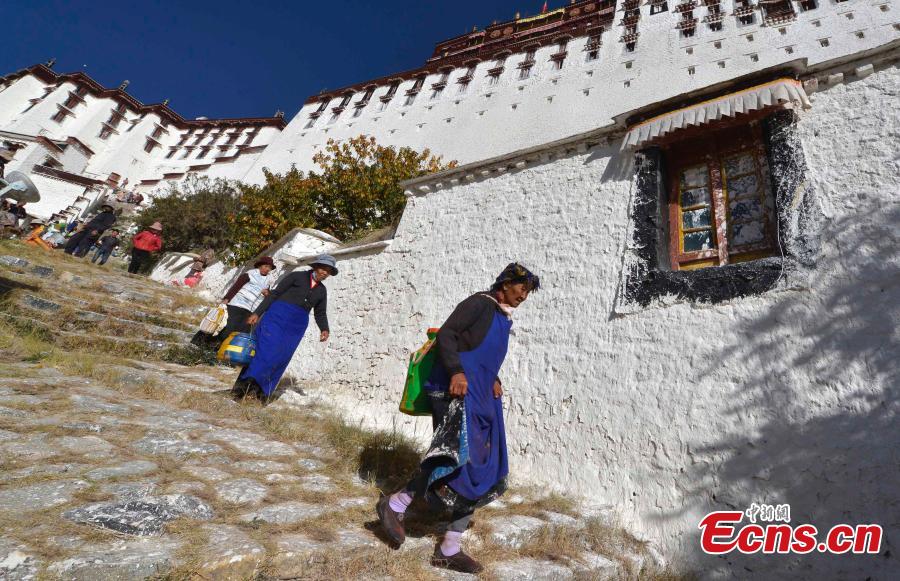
247, 292
466, 465
283, 317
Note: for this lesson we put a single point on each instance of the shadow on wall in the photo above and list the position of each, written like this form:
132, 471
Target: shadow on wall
826, 398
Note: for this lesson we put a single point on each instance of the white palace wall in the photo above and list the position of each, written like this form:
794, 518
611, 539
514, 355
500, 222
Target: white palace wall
670, 411
488, 121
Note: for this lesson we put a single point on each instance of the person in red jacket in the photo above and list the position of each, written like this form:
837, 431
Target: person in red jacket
144, 243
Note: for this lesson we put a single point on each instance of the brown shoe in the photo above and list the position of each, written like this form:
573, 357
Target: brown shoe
391, 521
459, 562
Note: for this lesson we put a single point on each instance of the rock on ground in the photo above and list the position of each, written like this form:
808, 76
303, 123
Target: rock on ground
285, 513
15, 562
262, 466
40, 496
130, 560
514, 531
531, 570
252, 444
135, 468
174, 446
207, 473
293, 555
143, 517
241, 491
230, 554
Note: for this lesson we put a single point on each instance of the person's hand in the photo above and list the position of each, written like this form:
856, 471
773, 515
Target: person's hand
459, 386
498, 389
266, 292
253, 319
323, 336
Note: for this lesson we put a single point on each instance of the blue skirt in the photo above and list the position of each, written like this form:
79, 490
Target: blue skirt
277, 336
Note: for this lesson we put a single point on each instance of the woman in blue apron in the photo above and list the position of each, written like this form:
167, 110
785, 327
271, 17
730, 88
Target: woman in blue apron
283, 317
466, 465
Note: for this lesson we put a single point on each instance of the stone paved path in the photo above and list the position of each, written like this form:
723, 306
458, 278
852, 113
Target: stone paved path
116, 463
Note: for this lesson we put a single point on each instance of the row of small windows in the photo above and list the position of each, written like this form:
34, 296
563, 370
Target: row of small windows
204, 150
524, 71
118, 114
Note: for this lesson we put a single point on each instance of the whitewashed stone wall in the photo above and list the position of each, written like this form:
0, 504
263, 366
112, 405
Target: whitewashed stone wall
218, 277
490, 120
674, 410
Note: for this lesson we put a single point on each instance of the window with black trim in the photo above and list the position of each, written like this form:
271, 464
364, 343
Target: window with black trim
721, 211
721, 208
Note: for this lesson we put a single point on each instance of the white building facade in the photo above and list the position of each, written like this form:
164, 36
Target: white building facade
70, 128
535, 80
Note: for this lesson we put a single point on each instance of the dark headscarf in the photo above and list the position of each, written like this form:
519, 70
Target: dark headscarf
515, 273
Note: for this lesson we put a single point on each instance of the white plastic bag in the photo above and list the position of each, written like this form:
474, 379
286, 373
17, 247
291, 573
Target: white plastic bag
214, 321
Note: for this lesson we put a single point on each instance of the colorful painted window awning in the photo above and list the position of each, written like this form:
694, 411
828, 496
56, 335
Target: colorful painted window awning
779, 93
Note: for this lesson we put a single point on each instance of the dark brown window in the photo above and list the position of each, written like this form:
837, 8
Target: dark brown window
778, 11
59, 116
105, 132
592, 48
387, 97
150, 145
721, 207
172, 153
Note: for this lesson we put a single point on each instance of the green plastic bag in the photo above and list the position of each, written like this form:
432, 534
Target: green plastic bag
415, 401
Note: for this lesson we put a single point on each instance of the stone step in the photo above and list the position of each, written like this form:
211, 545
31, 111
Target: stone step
161, 319
76, 341
88, 321
125, 287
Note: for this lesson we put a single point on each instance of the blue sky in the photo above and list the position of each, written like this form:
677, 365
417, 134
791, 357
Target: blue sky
237, 59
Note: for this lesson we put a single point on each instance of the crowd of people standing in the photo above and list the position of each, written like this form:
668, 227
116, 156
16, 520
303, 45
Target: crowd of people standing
78, 238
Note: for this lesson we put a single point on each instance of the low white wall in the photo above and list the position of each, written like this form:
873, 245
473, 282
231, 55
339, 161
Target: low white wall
218, 277
673, 410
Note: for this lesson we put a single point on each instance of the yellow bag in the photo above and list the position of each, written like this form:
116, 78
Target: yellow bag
215, 320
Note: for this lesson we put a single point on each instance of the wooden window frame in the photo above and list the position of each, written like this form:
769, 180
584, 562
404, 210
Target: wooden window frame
711, 148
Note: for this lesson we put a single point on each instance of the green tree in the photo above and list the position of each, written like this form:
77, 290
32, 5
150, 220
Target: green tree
270, 211
195, 214
356, 190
